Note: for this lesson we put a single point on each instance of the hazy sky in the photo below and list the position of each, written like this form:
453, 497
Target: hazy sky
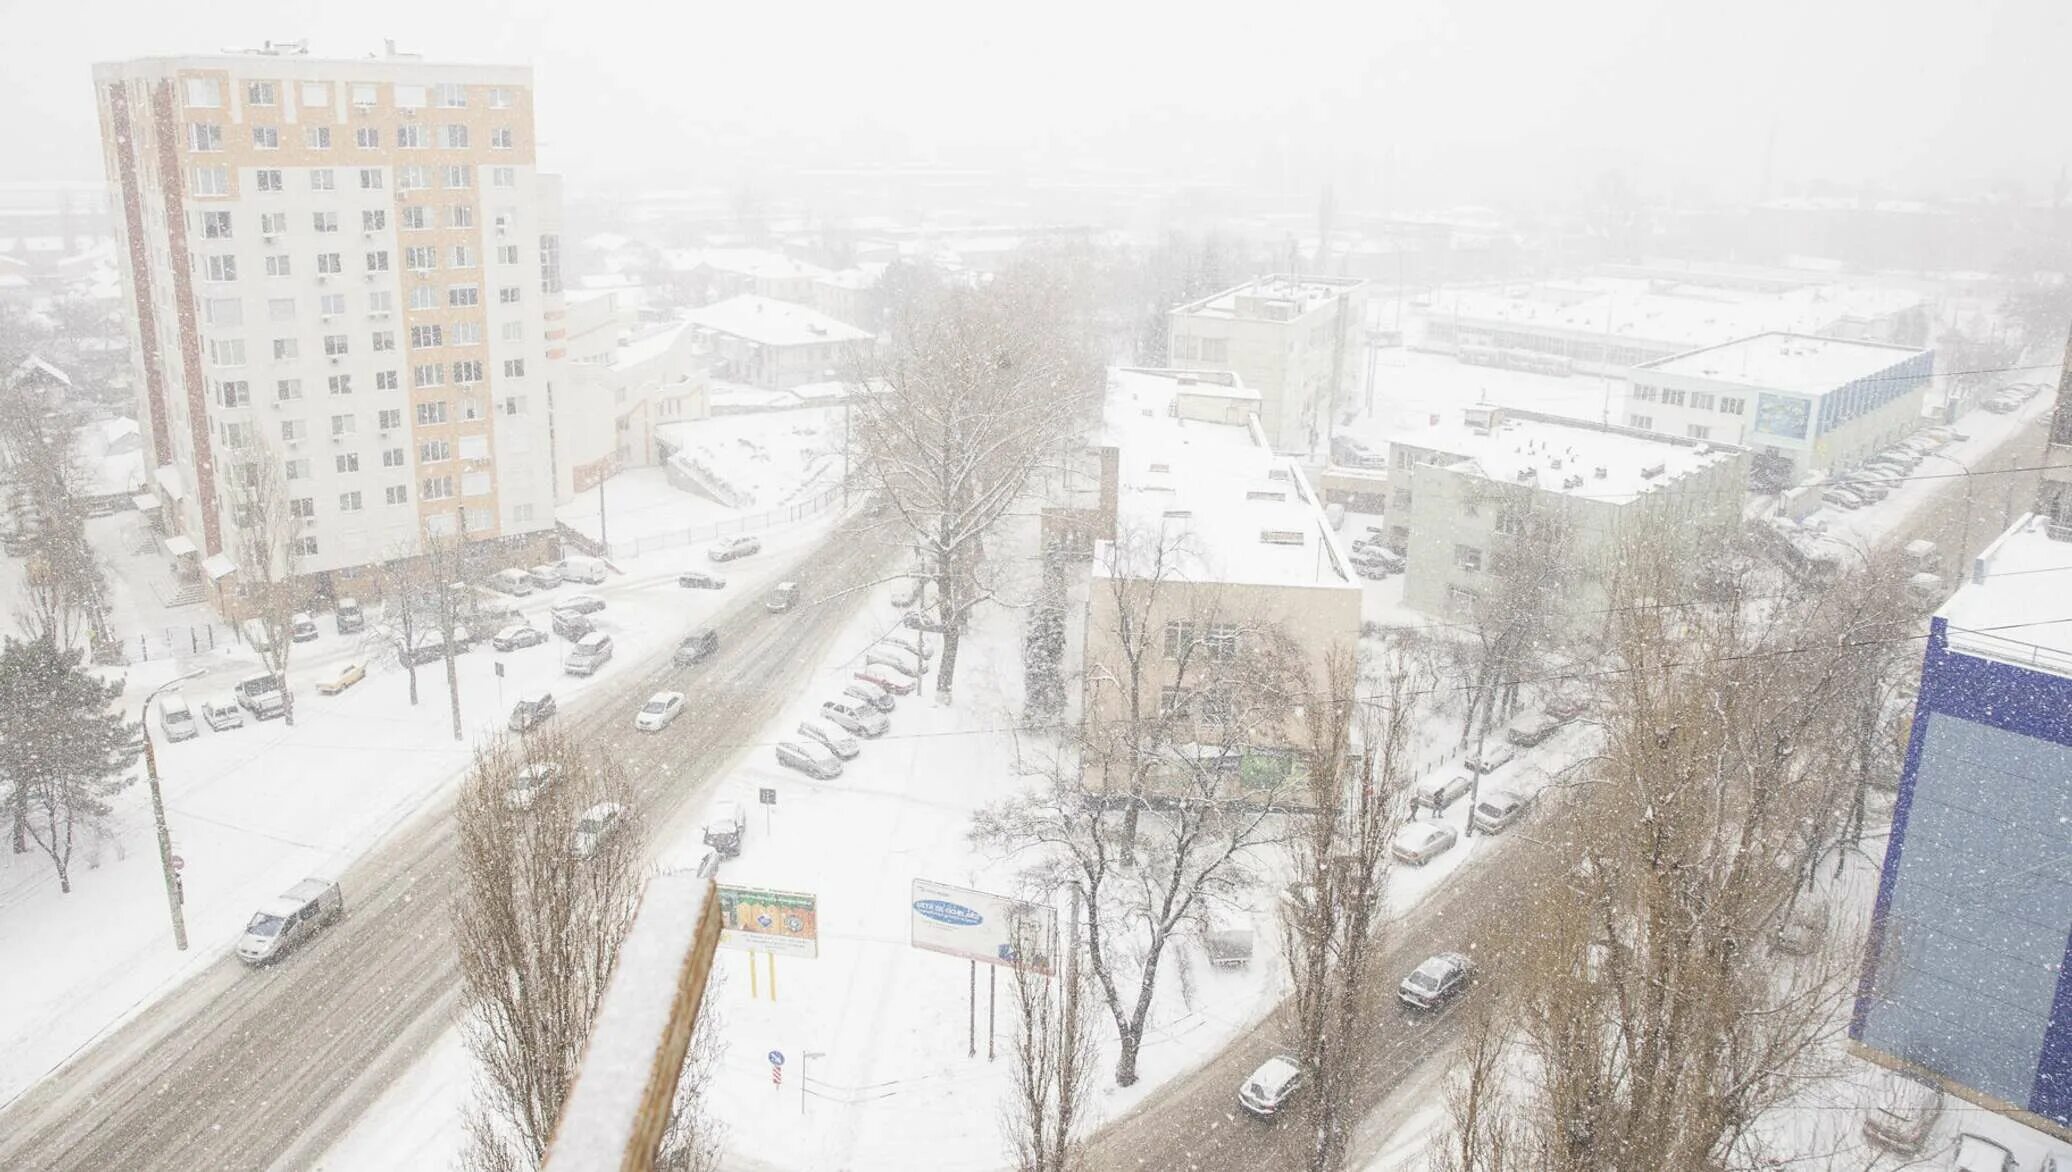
1446, 101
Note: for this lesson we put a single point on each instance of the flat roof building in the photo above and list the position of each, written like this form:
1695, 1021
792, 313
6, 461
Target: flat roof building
777, 345
1299, 341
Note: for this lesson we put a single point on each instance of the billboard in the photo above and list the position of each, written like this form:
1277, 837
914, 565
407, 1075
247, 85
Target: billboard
757, 920
980, 926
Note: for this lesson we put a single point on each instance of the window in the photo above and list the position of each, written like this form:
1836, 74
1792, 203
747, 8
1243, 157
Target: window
1672, 397
1645, 394
410, 97
370, 179
1729, 405
433, 451
396, 494
432, 412
503, 176
286, 349
384, 340
364, 94
512, 331
471, 408
450, 95
295, 469
262, 93
1643, 422
266, 138
459, 175
212, 181
413, 178
378, 261
421, 257
507, 254
1510, 523
1698, 431
392, 457
334, 345
431, 375
521, 512
204, 136
317, 138
456, 136
203, 91
277, 265
1172, 702
273, 223
1702, 400
315, 94
328, 262
508, 295
322, 179
1468, 558
463, 256
469, 371
367, 138
500, 98
344, 424
1222, 641
463, 295
303, 547
514, 368
222, 267
1215, 349
389, 419
287, 389
1179, 638
1219, 704
435, 488
413, 218
460, 215
331, 305
237, 435
302, 506
475, 484
1460, 600
235, 393
268, 179
215, 225
227, 351
341, 384
280, 309
422, 337
410, 136
424, 297
465, 333
325, 221
294, 430
514, 404
223, 311
387, 380
500, 138
348, 502
381, 301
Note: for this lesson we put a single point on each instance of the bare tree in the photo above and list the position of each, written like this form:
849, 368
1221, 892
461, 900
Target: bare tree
1053, 1060
65, 592
268, 532
427, 604
978, 390
1481, 1133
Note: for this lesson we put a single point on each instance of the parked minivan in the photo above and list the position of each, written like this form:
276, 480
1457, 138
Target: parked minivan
289, 921
350, 617
587, 570
176, 718
857, 716
591, 652
511, 581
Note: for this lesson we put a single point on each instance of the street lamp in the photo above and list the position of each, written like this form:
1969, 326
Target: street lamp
165, 841
1964, 525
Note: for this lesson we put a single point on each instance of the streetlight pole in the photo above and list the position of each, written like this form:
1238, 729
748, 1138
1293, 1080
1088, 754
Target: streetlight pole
1964, 524
165, 840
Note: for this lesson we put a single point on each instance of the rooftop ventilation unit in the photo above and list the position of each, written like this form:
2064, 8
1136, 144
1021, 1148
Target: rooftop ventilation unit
1601, 472
1652, 471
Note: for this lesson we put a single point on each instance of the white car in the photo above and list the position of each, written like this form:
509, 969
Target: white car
596, 823
222, 714
530, 783
809, 757
659, 712
1270, 1087
1492, 757
840, 743
1421, 842
726, 549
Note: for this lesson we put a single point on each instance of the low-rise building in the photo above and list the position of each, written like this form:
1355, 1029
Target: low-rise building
1801, 403
606, 414
777, 345
1299, 341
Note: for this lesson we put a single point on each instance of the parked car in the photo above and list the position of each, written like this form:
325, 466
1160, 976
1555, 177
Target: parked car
783, 598
175, 719
591, 652
222, 714
301, 627
839, 743
530, 783
1497, 809
726, 549
544, 577
696, 646
1438, 791
1419, 843
905, 591
512, 581
700, 580
570, 625
1531, 730
581, 603
1976, 1153
517, 636
1436, 981
1902, 1113
594, 827
532, 710
891, 679
724, 828
659, 712
895, 656
262, 696
290, 921
1489, 759
1564, 707
1270, 1087
349, 616
922, 620
870, 694
809, 757
587, 570
915, 642
858, 716
338, 681
431, 648
1800, 932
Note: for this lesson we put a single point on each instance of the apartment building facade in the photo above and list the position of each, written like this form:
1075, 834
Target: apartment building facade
346, 267
1299, 341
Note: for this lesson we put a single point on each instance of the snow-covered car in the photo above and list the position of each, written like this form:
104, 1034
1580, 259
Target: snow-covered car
1976, 1153
1439, 791
700, 580
724, 828
840, 743
1530, 730
894, 656
581, 603
1800, 933
857, 716
1490, 758
1436, 981
511, 580
288, 921
809, 757
544, 577
1902, 1113
222, 714
350, 616
726, 549
870, 694
922, 620
659, 712
302, 628
532, 710
594, 827
570, 625
905, 591
262, 696
1495, 810
1270, 1087
913, 641
1420, 842
782, 598
891, 679
338, 681
696, 646
518, 635
530, 783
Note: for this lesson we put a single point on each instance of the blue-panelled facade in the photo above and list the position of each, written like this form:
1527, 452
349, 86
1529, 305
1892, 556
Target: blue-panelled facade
1853, 400
1966, 971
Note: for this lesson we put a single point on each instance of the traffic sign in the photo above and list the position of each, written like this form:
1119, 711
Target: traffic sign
499, 669
179, 864
769, 795
776, 1057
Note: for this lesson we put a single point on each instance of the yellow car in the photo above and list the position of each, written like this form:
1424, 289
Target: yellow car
350, 674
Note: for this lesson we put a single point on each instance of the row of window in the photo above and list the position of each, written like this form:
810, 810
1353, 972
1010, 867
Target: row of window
1696, 400
229, 313
222, 268
219, 225
238, 392
1220, 640
1696, 431
1186, 346
207, 93
215, 180
206, 137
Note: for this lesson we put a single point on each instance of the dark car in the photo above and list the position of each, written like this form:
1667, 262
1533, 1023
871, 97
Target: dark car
350, 617
531, 711
572, 626
696, 646
700, 580
581, 603
1436, 981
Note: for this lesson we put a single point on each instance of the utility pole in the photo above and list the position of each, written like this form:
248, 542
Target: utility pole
602, 538
165, 840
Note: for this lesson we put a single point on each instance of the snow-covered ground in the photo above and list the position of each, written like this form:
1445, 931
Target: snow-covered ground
254, 809
1411, 386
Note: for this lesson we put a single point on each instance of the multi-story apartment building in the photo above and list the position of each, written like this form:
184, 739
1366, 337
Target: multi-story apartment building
1801, 403
347, 267
1299, 341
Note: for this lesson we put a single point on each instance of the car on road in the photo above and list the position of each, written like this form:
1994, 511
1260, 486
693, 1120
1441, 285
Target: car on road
1489, 758
870, 694
222, 714
570, 625
350, 617
726, 549
1438, 791
659, 712
301, 627
839, 743
700, 580
891, 679
591, 652
594, 827
338, 681
857, 716
724, 828
544, 577
581, 603
289, 921
809, 757
512, 581
1420, 842
1976, 1153
532, 710
783, 598
175, 718
1269, 1088
1436, 981
262, 696
530, 783
696, 646
518, 635
1497, 809
1902, 1113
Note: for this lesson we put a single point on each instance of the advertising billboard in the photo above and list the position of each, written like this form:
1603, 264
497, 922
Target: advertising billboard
977, 925
757, 920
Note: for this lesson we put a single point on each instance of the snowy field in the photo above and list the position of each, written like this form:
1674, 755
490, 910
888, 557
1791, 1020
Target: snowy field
254, 809
1411, 386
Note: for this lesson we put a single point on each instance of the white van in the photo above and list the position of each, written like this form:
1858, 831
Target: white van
587, 570
591, 652
289, 921
175, 718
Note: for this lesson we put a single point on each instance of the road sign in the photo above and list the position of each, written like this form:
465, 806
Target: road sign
776, 1057
499, 669
769, 796
179, 864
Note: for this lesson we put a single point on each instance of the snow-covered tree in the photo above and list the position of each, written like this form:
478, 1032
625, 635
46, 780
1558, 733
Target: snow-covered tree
267, 531
64, 750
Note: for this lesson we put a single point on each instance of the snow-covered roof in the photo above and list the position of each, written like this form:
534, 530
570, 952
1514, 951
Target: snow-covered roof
746, 262
216, 566
769, 322
1274, 298
1561, 455
35, 364
1799, 363
1664, 313
168, 477
862, 276
114, 431
646, 347
2012, 607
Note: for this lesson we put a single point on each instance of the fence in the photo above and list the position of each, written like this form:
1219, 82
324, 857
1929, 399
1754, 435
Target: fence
164, 643
651, 542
